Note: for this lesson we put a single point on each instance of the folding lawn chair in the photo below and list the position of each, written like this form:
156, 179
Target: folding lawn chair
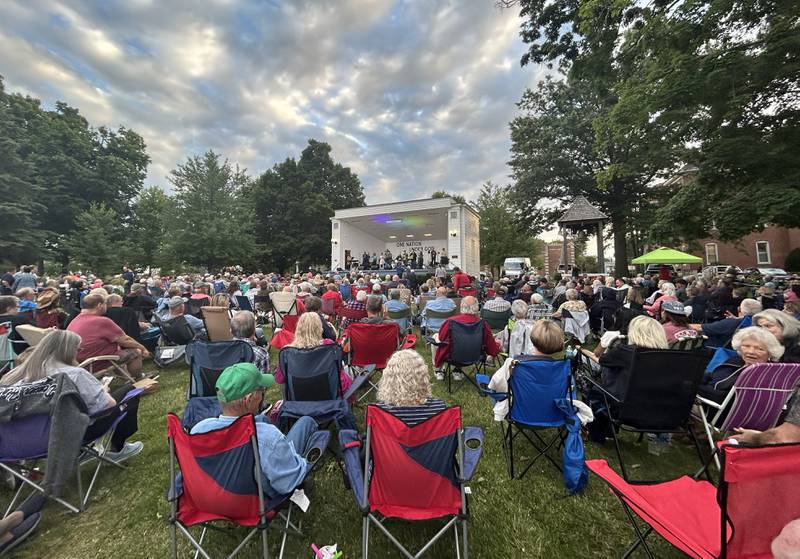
534, 385
353, 315
759, 494
217, 321
756, 400
24, 444
32, 334
497, 320
660, 389
7, 353
104, 365
244, 303
313, 387
418, 473
689, 344
194, 306
207, 360
431, 314
370, 347
465, 349
263, 308
221, 479
402, 319
282, 304
176, 331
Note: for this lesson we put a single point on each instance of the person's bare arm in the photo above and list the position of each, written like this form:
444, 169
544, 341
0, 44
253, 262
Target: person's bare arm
783, 433
591, 355
129, 343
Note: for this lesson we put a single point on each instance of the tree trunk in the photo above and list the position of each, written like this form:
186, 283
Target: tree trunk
620, 247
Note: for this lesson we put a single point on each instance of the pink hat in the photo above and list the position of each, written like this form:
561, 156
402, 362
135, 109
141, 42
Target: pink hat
789, 296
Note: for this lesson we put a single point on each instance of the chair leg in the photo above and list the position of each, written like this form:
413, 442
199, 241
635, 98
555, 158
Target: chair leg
464, 535
640, 537
458, 543
365, 537
619, 452
511, 450
265, 542
174, 534
692, 435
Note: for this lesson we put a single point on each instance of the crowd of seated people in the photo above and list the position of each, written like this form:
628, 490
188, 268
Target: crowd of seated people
624, 314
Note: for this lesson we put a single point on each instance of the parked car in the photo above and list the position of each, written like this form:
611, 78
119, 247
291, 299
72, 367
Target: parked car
719, 270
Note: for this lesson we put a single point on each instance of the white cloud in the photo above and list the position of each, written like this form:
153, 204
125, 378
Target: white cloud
414, 97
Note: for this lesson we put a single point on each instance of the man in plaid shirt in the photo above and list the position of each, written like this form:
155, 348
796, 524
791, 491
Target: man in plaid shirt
243, 327
356, 304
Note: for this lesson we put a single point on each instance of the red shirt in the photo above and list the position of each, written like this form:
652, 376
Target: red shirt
489, 343
98, 334
337, 298
460, 279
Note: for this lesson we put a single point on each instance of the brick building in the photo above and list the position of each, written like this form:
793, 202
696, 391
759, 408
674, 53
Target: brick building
552, 257
768, 249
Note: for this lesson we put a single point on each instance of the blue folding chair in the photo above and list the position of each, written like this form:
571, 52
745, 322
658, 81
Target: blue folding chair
313, 387
534, 386
207, 360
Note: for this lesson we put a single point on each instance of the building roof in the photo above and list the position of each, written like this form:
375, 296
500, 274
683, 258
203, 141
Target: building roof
581, 211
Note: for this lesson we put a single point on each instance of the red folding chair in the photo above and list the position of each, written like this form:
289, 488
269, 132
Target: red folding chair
350, 315
285, 335
759, 494
369, 348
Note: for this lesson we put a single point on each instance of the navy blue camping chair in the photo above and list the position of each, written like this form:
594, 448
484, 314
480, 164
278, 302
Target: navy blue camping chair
244, 303
207, 360
313, 387
534, 386
465, 350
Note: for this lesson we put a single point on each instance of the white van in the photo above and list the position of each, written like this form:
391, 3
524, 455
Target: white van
514, 267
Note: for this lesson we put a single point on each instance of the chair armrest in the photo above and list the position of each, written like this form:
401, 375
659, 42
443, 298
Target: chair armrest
350, 445
707, 402
483, 386
98, 358
599, 387
471, 455
359, 381
316, 446
432, 341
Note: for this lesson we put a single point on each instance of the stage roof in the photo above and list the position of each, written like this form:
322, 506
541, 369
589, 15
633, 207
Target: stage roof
422, 219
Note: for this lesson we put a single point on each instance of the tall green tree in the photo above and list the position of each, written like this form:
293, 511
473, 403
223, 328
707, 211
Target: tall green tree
726, 75
148, 229
19, 194
68, 165
294, 202
94, 242
501, 234
210, 223
565, 143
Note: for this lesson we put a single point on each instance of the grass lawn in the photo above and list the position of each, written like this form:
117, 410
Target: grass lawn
127, 514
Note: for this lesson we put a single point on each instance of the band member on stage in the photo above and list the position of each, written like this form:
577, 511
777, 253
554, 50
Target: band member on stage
433, 257
443, 259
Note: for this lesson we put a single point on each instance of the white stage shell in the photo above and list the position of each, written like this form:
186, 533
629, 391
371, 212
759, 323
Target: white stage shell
403, 226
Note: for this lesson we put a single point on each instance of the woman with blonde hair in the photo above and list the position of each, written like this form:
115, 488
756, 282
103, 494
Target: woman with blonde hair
405, 389
57, 354
547, 341
644, 332
308, 334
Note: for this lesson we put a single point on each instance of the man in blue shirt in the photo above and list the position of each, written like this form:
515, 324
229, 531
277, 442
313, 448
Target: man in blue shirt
721, 332
440, 304
394, 304
176, 309
240, 391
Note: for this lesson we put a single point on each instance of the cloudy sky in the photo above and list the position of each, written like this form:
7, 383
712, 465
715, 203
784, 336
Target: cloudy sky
414, 96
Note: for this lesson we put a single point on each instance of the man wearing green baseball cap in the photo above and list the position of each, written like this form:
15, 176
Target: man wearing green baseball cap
240, 391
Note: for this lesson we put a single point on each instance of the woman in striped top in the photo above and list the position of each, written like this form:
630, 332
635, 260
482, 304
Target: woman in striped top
405, 389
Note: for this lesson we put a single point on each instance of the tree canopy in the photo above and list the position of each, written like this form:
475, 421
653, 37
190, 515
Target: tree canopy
649, 87
501, 235
294, 202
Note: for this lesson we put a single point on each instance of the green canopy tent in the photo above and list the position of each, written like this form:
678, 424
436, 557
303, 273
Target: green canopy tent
666, 255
